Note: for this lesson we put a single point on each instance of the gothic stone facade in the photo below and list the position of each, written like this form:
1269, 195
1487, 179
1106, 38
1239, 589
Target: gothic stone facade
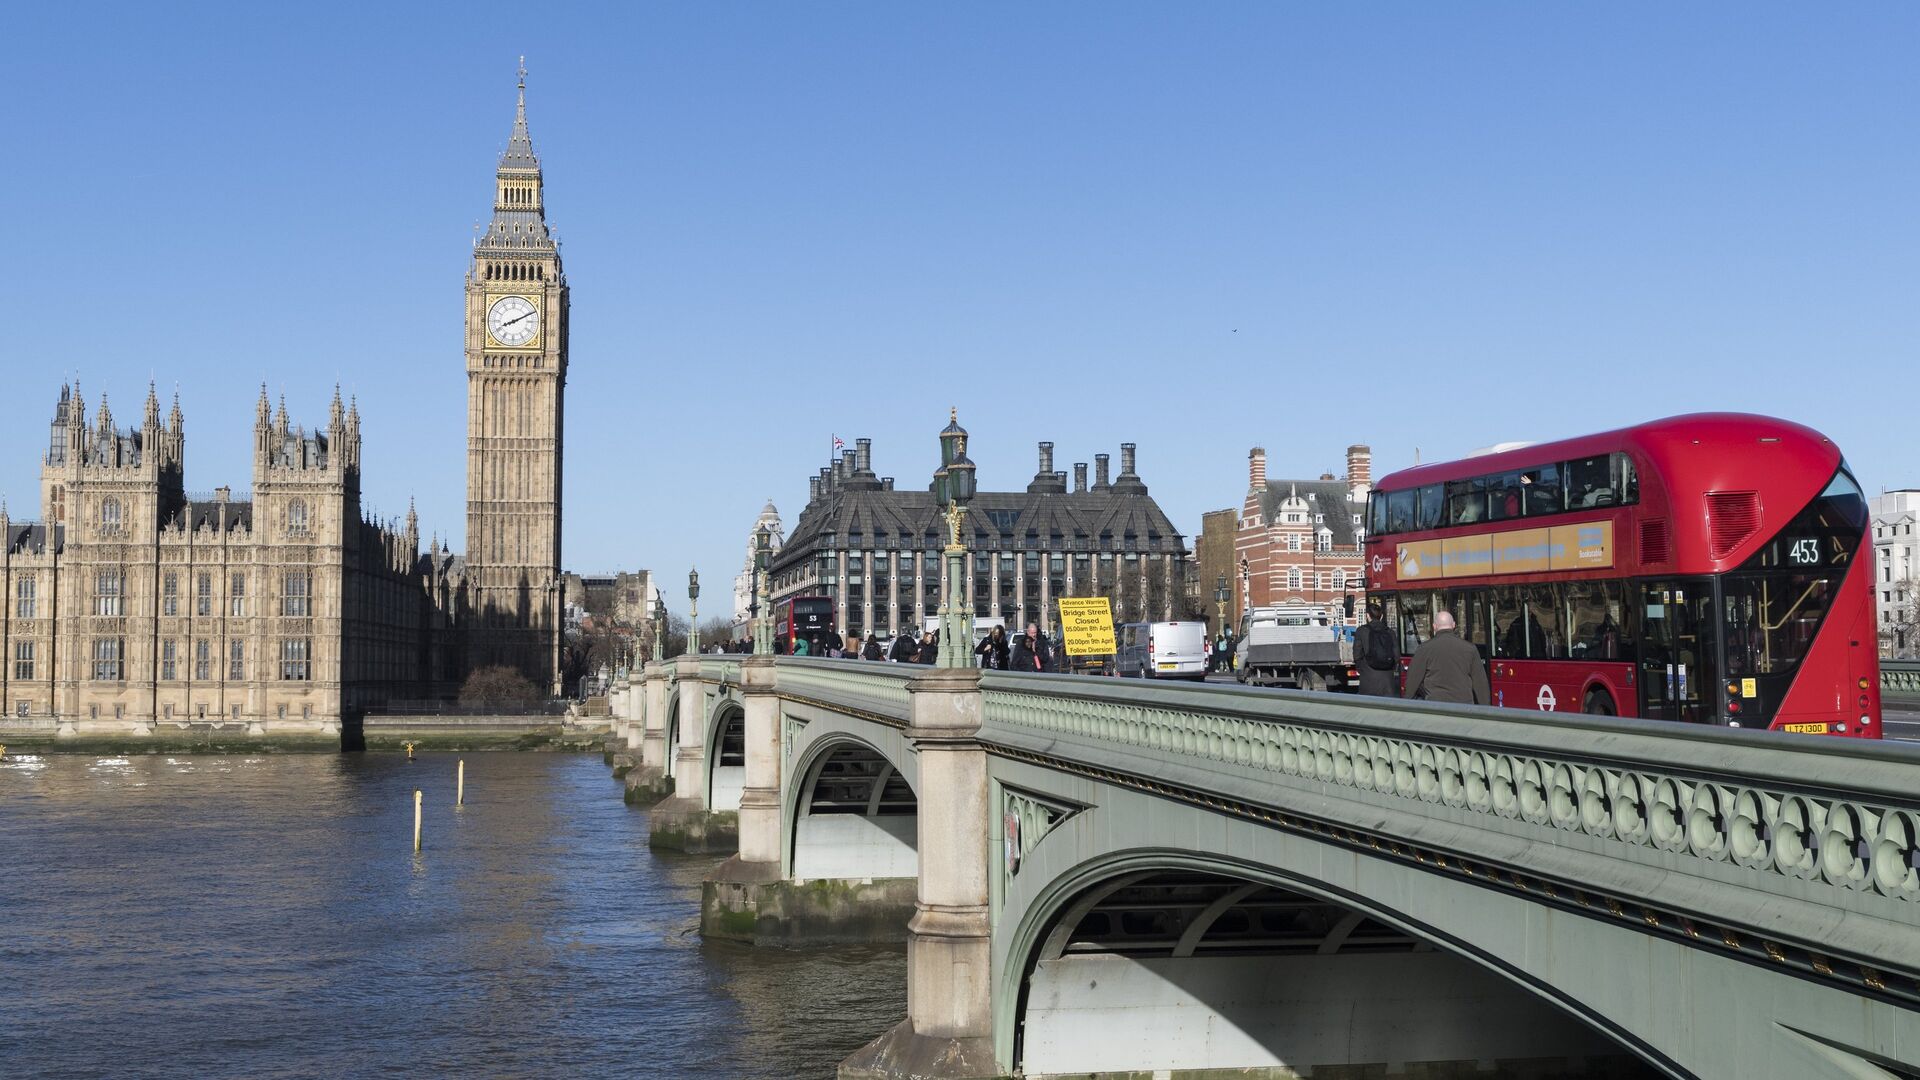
877, 550
132, 604
1300, 541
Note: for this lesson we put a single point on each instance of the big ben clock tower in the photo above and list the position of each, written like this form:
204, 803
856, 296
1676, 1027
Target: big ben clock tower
516, 386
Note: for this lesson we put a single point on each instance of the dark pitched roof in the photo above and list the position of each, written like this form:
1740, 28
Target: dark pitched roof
1326, 497
911, 519
31, 537
206, 514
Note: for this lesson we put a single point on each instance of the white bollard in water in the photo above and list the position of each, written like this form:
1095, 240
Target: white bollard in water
416, 819
460, 785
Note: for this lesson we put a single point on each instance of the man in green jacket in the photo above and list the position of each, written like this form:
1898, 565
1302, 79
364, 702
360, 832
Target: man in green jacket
1448, 667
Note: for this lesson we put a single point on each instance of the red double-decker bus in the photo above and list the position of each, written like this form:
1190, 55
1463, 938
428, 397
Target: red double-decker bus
1699, 568
809, 617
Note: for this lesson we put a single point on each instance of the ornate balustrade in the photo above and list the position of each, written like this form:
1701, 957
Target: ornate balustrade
1900, 678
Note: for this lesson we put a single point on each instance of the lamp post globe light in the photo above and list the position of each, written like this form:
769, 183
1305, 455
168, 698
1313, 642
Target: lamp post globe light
758, 606
693, 612
953, 489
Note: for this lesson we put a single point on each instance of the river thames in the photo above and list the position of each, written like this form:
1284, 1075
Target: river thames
188, 916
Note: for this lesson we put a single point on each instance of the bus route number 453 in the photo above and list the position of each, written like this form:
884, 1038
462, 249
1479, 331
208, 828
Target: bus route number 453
1804, 552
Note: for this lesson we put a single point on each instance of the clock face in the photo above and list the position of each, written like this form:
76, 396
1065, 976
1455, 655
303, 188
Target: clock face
513, 320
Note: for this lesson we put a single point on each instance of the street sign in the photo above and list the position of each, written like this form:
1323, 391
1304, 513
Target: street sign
1087, 624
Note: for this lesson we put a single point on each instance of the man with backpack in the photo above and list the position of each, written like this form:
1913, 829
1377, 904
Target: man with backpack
1376, 654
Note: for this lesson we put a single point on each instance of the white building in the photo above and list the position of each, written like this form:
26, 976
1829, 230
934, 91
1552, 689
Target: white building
1896, 558
743, 584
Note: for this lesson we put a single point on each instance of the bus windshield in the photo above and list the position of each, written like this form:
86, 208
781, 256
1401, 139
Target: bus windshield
1775, 602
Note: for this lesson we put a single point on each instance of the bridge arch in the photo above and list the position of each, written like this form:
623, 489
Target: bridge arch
852, 805
726, 756
1184, 960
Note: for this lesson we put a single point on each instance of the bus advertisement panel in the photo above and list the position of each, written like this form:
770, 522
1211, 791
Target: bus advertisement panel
1700, 568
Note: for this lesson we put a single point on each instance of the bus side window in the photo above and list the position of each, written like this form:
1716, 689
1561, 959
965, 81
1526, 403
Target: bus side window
1626, 480
1400, 511
1430, 509
1466, 501
1546, 623
1377, 514
1595, 632
1509, 624
1590, 483
1542, 486
1416, 619
1505, 495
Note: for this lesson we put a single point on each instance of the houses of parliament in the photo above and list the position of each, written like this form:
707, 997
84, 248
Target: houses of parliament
133, 606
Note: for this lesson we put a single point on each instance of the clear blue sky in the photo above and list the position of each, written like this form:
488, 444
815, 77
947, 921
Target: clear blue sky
1194, 227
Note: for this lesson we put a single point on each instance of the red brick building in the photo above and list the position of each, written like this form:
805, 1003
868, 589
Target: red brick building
1300, 541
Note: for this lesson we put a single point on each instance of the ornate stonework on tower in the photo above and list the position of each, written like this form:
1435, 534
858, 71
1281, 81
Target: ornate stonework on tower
516, 381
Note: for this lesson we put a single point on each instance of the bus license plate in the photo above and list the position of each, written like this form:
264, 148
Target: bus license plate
1806, 729
1170, 667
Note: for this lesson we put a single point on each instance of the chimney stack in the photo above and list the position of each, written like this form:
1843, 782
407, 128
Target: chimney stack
813, 489
1359, 471
1079, 478
1060, 480
1046, 458
1100, 482
1257, 469
863, 455
886, 483
1126, 459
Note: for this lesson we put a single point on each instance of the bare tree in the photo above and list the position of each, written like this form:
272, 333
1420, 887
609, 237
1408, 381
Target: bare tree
1901, 632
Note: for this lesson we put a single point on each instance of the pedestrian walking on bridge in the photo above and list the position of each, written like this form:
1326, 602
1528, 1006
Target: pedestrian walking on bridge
1448, 667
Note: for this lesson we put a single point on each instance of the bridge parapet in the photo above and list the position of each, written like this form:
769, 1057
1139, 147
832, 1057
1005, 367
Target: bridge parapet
864, 689
1900, 678
1755, 840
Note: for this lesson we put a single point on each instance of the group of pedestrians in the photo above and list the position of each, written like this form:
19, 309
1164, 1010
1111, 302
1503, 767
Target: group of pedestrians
1029, 651
1446, 667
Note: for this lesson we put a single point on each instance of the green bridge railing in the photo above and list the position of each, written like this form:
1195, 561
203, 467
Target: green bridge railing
1900, 678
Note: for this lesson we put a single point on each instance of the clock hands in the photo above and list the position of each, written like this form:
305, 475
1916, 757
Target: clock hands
515, 319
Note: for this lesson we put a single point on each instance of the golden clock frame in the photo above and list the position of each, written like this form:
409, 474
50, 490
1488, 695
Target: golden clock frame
532, 344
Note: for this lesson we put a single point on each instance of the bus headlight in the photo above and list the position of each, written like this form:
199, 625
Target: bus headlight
1841, 727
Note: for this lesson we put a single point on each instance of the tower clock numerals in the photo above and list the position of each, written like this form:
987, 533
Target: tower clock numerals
513, 320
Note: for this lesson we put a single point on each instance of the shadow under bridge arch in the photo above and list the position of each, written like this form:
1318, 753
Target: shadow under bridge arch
854, 811
726, 755
1153, 965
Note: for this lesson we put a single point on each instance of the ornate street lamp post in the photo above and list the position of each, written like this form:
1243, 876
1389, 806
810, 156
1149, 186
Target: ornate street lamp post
953, 489
758, 607
659, 628
693, 612
1221, 594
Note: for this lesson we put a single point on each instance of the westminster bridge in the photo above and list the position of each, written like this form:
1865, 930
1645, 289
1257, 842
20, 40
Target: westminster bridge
1115, 878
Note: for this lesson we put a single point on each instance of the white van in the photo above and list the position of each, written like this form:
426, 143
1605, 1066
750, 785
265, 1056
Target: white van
1162, 650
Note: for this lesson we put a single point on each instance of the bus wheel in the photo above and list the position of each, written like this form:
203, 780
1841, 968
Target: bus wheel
1599, 703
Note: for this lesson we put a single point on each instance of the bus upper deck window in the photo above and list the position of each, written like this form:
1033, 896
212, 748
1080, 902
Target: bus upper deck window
1542, 486
1505, 495
1629, 480
1466, 501
1590, 483
1430, 507
1400, 511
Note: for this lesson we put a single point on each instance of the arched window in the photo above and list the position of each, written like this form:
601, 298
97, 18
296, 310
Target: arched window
1339, 580
109, 513
1293, 579
297, 516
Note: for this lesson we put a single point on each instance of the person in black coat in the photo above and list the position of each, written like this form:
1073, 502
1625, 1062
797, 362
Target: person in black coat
872, 651
992, 649
1031, 652
929, 649
903, 648
1374, 681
